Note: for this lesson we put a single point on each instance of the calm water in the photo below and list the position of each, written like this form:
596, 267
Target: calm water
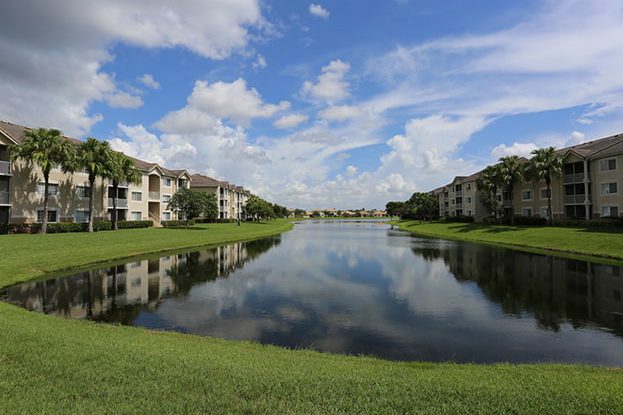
360, 288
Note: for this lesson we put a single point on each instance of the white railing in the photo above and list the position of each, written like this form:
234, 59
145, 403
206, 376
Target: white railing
154, 195
5, 168
573, 178
458, 193
120, 202
4, 198
574, 199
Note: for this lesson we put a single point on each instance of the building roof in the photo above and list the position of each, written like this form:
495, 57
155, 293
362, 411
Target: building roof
200, 180
602, 146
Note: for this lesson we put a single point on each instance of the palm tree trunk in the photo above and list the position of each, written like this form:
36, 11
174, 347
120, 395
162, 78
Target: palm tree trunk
91, 203
44, 222
510, 197
115, 189
549, 202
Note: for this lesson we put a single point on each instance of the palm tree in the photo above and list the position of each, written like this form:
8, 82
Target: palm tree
120, 169
94, 156
511, 173
489, 182
546, 164
48, 149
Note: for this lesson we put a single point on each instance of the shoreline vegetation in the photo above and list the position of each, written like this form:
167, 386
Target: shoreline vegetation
598, 243
53, 365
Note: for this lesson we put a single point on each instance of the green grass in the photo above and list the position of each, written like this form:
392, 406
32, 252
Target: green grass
54, 365
598, 242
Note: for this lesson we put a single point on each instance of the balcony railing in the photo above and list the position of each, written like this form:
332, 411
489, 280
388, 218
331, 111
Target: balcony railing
459, 206
5, 168
458, 193
574, 199
121, 203
573, 178
507, 204
4, 198
154, 196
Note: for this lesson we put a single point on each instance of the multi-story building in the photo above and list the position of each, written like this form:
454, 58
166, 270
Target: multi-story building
22, 190
588, 188
231, 199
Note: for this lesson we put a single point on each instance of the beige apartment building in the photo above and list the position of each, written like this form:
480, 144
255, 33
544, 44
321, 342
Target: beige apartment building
589, 187
21, 190
231, 199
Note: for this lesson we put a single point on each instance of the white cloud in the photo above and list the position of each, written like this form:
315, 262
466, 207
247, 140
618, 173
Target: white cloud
290, 121
319, 11
340, 113
149, 81
230, 100
47, 85
516, 149
260, 62
351, 171
122, 99
577, 137
331, 85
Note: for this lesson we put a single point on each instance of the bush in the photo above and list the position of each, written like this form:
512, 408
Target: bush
461, 218
177, 223
133, 224
65, 227
596, 223
530, 221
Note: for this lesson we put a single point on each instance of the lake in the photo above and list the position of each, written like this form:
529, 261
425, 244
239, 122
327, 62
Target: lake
359, 288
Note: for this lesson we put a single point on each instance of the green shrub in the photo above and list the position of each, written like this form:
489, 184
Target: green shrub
133, 224
601, 222
177, 223
530, 221
65, 227
460, 218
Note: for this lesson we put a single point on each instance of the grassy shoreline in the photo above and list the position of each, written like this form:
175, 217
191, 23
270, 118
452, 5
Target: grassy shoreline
54, 365
588, 243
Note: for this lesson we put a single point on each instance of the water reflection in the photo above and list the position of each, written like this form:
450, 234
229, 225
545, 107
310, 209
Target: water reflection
361, 288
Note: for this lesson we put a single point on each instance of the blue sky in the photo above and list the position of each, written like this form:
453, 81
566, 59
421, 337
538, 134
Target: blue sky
330, 104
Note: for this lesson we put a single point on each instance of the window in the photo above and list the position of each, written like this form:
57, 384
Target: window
167, 182
166, 198
166, 215
137, 215
527, 212
607, 165
544, 212
83, 191
52, 216
526, 195
609, 188
469, 213
52, 189
136, 282
81, 216
545, 193
609, 211
469, 187
137, 196
469, 200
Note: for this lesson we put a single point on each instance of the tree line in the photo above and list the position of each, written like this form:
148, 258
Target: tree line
421, 206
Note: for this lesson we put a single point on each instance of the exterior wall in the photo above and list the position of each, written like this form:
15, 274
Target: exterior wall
599, 178
537, 204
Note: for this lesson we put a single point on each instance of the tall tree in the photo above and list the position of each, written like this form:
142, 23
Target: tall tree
422, 206
192, 204
120, 169
488, 183
546, 164
394, 208
48, 149
94, 157
511, 173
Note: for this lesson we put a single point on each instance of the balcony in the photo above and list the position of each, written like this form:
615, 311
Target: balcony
458, 206
573, 178
5, 168
575, 199
507, 204
4, 198
121, 203
154, 196
458, 193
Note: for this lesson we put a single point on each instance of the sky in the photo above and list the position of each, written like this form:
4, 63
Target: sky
343, 103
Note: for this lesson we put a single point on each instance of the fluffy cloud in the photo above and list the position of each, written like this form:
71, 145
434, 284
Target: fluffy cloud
260, 62
290, 121
46, 85
122, 99
233, 101
149, 81
319, 11
516, 149
331, 85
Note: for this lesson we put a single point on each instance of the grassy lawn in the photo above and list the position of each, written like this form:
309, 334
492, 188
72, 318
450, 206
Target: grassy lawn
54, 365
601, 242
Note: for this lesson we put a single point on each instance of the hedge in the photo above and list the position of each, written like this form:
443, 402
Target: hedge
459, 218
66, 227
177, 223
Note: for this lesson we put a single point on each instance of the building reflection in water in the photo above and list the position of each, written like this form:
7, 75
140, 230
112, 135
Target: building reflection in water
555, 290
119, 293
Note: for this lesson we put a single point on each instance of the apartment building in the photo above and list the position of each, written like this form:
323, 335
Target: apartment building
231, 199
22, 190
589, 187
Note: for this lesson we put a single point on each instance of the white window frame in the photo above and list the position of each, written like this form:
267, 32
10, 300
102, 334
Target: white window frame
167, 212
522, 195
469, 200
166, 198
544, 209
607, 162
164, 181
78, 192
140, 194
139, 213
50, 185
83, 211
601, 210
541, 193
524, 210
601, 188
468, 213
50, 210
